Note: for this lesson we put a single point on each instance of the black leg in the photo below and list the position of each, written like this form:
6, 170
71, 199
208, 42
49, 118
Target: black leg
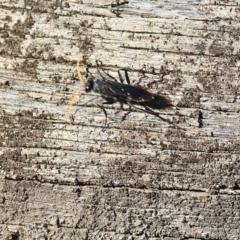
106, 75
125, 116
104, 111
147, 110
127, 77
108, 101
120, 76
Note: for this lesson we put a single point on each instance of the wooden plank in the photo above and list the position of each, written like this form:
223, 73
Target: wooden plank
140, 178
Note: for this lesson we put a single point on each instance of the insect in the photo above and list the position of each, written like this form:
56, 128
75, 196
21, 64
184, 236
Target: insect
113, 91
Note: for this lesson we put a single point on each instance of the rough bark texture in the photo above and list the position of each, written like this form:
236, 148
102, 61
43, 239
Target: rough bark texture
140, 178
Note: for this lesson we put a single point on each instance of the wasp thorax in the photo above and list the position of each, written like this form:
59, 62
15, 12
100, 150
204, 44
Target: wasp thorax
98, 85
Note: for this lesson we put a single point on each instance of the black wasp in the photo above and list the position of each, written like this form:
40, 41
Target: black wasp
113, 91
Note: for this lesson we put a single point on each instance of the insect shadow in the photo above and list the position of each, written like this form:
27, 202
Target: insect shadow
112, 91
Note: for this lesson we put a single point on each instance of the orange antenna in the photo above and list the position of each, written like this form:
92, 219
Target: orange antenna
75, 95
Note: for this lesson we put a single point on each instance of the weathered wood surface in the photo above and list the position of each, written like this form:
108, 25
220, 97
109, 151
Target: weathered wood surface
137, 179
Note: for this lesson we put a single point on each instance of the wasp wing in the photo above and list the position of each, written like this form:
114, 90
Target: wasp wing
129, 92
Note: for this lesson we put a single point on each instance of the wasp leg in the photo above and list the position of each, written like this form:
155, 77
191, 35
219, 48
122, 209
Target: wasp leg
156, 114
127, 77
107, 74
104, 111
108, 101
125, 115
120, 77
147, 110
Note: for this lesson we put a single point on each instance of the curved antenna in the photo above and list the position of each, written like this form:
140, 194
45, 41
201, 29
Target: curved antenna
75, 95
79, 73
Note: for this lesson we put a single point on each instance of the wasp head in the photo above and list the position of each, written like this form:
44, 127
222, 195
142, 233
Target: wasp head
89, 85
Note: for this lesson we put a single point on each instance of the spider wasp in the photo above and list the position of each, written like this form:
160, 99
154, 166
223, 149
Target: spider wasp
113, 91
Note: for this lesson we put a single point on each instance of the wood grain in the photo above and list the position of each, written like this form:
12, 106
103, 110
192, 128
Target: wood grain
140, 178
